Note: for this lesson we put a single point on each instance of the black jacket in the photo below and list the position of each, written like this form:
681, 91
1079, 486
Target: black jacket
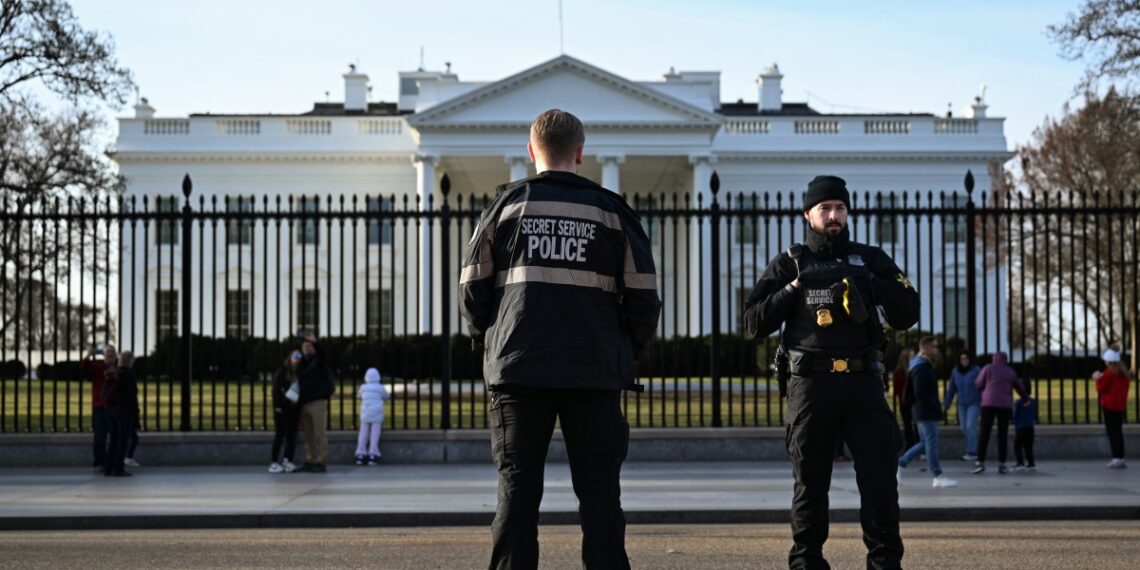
923, 384
121, 393
559, 285
881, 283
315, 378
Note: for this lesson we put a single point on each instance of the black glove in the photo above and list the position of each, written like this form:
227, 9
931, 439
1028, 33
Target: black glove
852, 300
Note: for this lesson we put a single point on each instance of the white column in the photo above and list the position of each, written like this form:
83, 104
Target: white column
700, 250
611, 171
425, 187
518, 164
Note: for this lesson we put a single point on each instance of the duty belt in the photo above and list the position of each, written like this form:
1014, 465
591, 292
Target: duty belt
803, 362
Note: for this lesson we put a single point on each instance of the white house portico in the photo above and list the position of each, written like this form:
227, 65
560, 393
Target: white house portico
656, 140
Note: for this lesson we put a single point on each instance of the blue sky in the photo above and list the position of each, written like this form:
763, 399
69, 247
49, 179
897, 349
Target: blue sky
282, 55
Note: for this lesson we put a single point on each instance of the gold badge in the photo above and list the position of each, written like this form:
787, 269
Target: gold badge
904, 281
823, 317
839, 365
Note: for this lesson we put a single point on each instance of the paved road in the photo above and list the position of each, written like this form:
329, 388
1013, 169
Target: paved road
968, 546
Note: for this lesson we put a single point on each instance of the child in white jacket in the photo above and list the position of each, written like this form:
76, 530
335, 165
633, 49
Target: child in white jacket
372, 396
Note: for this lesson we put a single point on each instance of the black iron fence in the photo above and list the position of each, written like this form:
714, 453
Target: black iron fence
207, 293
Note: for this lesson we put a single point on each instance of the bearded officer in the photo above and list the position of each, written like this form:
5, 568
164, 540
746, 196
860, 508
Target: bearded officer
833, 295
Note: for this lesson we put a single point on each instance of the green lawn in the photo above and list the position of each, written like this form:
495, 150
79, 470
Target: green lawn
66, 406
57, 406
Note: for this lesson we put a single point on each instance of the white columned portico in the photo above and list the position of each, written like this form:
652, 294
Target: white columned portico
425, 185
518, 164
700, 249
611, 171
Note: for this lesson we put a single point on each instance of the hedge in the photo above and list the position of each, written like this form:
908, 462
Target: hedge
13, 369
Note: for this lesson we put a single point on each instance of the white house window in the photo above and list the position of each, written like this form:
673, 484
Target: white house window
166, 313
309, 232
308, 310
167, 229
380, 231
746, 231
741, 297
954, 227
886, 226
379, 313
956, 312
239, 232
237, 313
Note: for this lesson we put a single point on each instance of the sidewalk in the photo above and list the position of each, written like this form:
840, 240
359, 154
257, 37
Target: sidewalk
449, 495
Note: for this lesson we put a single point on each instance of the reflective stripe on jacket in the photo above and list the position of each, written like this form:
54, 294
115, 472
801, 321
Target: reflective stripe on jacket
559, 285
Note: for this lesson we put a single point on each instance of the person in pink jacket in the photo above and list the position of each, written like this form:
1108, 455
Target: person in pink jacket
997, 381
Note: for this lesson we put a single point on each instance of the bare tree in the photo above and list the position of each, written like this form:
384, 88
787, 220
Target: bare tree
1107, 34
49, 158
1089, 158
50, 322
42, 40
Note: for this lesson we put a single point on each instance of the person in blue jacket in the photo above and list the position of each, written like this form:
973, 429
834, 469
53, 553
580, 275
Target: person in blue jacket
1024, 418
923, 384
969, 401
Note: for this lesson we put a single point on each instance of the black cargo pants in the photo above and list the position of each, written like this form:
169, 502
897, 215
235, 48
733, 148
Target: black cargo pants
597, 439
820, 408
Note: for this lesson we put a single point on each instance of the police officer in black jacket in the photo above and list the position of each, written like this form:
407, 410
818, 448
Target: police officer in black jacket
832, 296
559, 286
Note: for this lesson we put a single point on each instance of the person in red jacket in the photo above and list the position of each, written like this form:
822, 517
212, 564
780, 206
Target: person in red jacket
96, 372
1112, 386
902, 401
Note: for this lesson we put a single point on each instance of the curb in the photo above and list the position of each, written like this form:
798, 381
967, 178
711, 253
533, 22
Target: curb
378, 520
411, 447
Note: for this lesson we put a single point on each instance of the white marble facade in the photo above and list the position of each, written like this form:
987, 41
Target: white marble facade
648, 138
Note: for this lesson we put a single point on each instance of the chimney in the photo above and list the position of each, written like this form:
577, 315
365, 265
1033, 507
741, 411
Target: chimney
355, 90
978, 109
143, 110
771, 96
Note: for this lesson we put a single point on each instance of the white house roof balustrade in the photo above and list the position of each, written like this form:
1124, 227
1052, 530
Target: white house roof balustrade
233, 137
862, 136
680, 115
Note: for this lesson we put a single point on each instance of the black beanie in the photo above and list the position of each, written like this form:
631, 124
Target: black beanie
823, 188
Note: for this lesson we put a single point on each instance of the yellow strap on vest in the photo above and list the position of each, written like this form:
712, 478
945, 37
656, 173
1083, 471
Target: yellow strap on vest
847, 296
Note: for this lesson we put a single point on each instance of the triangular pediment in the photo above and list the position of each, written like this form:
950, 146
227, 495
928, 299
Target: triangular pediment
596, 96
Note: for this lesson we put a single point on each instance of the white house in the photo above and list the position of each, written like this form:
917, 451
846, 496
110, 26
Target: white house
653, 139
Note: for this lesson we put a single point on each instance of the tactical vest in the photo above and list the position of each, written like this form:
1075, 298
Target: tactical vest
821, 321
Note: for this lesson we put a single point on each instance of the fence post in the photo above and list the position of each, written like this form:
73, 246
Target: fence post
187, 348
445, 299
714, 368
971, 269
